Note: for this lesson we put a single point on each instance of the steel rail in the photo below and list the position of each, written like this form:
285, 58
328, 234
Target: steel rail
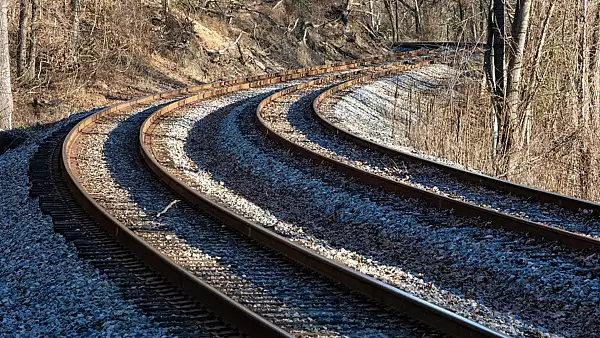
414, 307
437, 44
218, 302
544, 196
222, 305
513, 223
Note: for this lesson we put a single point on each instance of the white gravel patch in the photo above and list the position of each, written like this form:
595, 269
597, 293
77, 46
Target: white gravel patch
379, 111
45, 290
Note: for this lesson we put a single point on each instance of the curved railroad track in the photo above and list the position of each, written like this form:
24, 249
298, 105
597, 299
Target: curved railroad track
423, 311
234, 272
260, 301
213, 153
295, 128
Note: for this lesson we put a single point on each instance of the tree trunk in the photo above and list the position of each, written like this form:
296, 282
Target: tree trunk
584, 56
595, 71
397, 22
31, 62
23, 37
75, 11
515, 73
495, 71
6, 103
165, 4
418, 19
388, 7
585, 156
474, 15
461, 18
533, 84
372, 16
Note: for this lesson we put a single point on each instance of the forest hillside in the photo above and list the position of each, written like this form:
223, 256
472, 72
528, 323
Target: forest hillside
72, 55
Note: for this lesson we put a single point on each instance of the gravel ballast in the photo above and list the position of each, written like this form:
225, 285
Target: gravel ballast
45, 290
505, 281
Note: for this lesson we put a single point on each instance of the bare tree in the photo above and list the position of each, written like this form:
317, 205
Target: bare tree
165, 4
27, 39
35, 16
6, 103
23, 37
534, 79
75, 12
515, 69
582, 121
393, 18
494, 66
506, 83
416, 11
469, 20
595, 69
417, 8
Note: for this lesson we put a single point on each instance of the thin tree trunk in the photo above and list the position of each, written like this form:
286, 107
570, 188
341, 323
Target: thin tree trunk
534, 79
461, 18
418, 19
495, 70
6, 103
585, 157
165, 4
595, 71
584, 55
397, 22
388, 8
372, 16
75, 12
475, 36
35, 14
483, 10
515, 72
23, 37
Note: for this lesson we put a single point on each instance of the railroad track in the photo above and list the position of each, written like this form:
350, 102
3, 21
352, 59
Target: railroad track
96, 169
257, 279
498, 245
290, 123
570, 221
213, 154
188, 237
150, 291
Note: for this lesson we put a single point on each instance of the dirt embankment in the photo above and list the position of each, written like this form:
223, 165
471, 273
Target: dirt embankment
125, 50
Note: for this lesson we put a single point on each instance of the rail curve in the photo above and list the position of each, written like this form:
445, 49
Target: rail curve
222, 305
499, 219
513, 223
423, 311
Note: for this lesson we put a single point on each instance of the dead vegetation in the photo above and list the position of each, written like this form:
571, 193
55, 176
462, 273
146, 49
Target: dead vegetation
555, 133
72, 55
